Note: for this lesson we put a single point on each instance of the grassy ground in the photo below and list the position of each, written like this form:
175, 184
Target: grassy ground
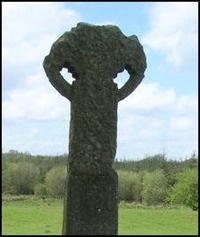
33, 216
157, 221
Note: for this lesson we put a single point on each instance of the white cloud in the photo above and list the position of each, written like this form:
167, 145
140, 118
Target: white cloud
34, 104
29, 29
37, 100
148, 97
180, 122
150, 129
187, 104
152, 97
154, 119
174, 32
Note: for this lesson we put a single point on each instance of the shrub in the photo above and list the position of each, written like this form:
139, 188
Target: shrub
185, 190
40, 190
155, 188
20, 178
125, 185
55, 181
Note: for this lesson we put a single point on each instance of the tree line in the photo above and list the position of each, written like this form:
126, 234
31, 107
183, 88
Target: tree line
153, 180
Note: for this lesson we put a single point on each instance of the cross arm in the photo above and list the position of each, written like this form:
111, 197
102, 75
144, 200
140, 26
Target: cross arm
132, 83
56, 79
135, 65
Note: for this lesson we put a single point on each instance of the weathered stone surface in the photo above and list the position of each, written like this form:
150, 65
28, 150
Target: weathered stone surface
91, 207
94, 55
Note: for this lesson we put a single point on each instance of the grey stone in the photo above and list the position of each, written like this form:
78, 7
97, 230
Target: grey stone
91, 205
94, 55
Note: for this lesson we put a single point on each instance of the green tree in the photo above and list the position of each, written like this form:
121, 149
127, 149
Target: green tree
40, 190
155, 188
8, 178
137, 185
56, 181
185, 190
125, 185
20, 178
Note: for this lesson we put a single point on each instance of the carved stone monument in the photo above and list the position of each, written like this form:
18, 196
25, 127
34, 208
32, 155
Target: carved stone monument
94, 55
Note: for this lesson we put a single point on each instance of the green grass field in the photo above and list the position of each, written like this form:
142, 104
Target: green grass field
33, 216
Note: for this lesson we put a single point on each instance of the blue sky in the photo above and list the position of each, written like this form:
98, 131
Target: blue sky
159, 116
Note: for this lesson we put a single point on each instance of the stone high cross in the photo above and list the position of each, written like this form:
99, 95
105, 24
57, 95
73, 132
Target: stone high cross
94, 55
